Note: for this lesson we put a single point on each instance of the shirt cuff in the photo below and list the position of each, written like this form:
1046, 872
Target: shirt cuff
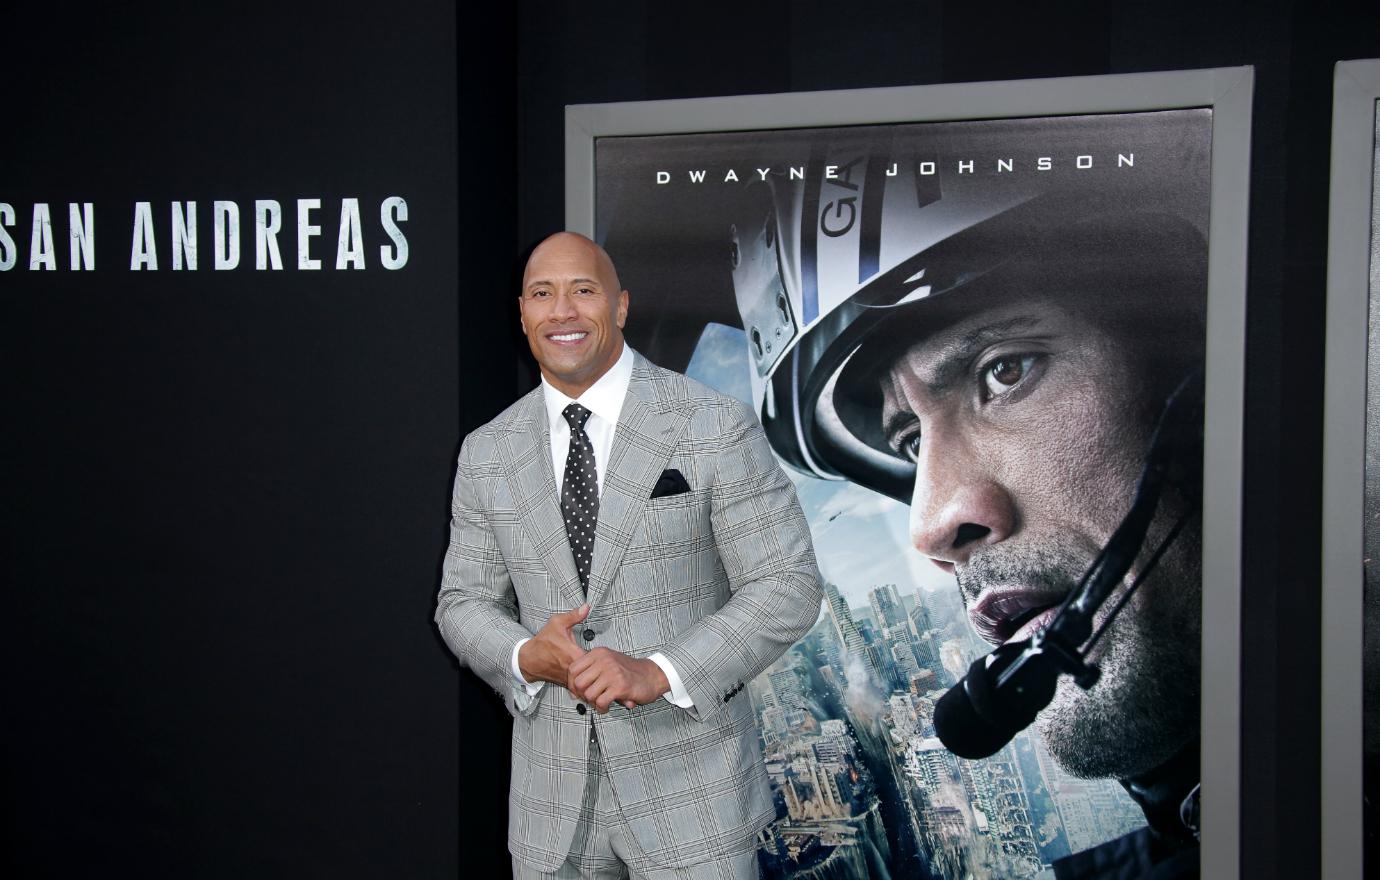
677, 696
532, 689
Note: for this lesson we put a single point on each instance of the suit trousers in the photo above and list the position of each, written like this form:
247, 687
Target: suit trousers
604, 847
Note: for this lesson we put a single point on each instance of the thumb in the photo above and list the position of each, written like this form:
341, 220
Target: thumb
573, 616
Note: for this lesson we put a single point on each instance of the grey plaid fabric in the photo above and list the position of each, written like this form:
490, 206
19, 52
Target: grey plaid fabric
721, 579
580, 492
604, 848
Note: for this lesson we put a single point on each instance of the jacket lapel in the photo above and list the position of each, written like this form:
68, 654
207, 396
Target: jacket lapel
525, 451
646, 436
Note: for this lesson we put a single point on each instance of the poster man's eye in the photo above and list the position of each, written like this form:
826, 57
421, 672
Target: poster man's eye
909, 444
1000, 376
912, 446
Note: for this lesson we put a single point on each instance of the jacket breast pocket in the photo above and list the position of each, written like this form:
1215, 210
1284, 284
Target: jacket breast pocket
678, 518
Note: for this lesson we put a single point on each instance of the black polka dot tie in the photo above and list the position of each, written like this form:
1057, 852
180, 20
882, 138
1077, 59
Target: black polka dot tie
580, 492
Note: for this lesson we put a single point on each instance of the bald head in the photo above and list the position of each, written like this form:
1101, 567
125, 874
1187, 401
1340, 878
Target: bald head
564, 246
572, 311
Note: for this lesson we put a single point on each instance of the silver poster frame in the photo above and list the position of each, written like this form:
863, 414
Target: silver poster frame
1356, 89
1228, 91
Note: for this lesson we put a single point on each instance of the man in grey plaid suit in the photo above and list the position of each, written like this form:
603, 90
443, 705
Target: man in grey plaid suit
621, 617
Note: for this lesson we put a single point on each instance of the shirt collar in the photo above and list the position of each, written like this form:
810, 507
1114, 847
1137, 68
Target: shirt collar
604, 398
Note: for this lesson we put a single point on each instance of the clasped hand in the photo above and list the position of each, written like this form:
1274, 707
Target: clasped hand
600, 677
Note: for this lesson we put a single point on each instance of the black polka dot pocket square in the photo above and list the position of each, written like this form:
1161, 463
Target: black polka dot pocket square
671, 482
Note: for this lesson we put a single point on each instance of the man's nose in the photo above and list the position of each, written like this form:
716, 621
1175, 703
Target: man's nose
958, 505
562, 306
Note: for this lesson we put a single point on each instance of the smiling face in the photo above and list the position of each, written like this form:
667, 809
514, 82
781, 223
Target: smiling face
572, 311
1028, 425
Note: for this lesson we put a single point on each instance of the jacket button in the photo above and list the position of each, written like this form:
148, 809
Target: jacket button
588, 634
580, 707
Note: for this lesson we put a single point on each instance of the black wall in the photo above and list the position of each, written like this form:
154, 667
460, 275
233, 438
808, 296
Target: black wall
226, 493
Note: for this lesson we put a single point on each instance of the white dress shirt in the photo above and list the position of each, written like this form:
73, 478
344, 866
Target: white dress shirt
604, 400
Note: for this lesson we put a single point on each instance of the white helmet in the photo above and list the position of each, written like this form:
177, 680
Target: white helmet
821, 264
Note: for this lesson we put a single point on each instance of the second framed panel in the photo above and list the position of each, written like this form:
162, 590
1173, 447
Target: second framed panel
1351, 480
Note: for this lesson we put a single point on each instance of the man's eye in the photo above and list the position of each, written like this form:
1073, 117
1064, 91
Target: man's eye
909, 445
1004, 374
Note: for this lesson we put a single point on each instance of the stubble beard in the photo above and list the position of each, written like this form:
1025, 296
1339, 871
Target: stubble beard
1145, 706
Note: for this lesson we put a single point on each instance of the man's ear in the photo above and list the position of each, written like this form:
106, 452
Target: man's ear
622, 308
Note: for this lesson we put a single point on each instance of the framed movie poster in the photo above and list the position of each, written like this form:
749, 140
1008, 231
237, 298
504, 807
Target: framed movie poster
1351, 480
994, 333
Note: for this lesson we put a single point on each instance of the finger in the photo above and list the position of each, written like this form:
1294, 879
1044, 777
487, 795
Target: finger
572, 623
595, 692
583, 677
581, 663
610, 691
585, 680
575, 615
580, 690
571, 617
628, 704
588, 662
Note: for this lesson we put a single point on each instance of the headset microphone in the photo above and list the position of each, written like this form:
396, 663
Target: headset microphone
1004, 690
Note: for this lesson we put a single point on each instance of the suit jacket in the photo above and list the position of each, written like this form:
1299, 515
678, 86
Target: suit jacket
721, 579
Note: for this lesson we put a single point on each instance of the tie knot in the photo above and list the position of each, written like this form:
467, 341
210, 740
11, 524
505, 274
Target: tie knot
576, 416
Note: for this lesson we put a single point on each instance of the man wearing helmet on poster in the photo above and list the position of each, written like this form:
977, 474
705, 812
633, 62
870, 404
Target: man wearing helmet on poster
1001, 325
1007, 382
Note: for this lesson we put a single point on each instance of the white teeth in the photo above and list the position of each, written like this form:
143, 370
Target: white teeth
568, 337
